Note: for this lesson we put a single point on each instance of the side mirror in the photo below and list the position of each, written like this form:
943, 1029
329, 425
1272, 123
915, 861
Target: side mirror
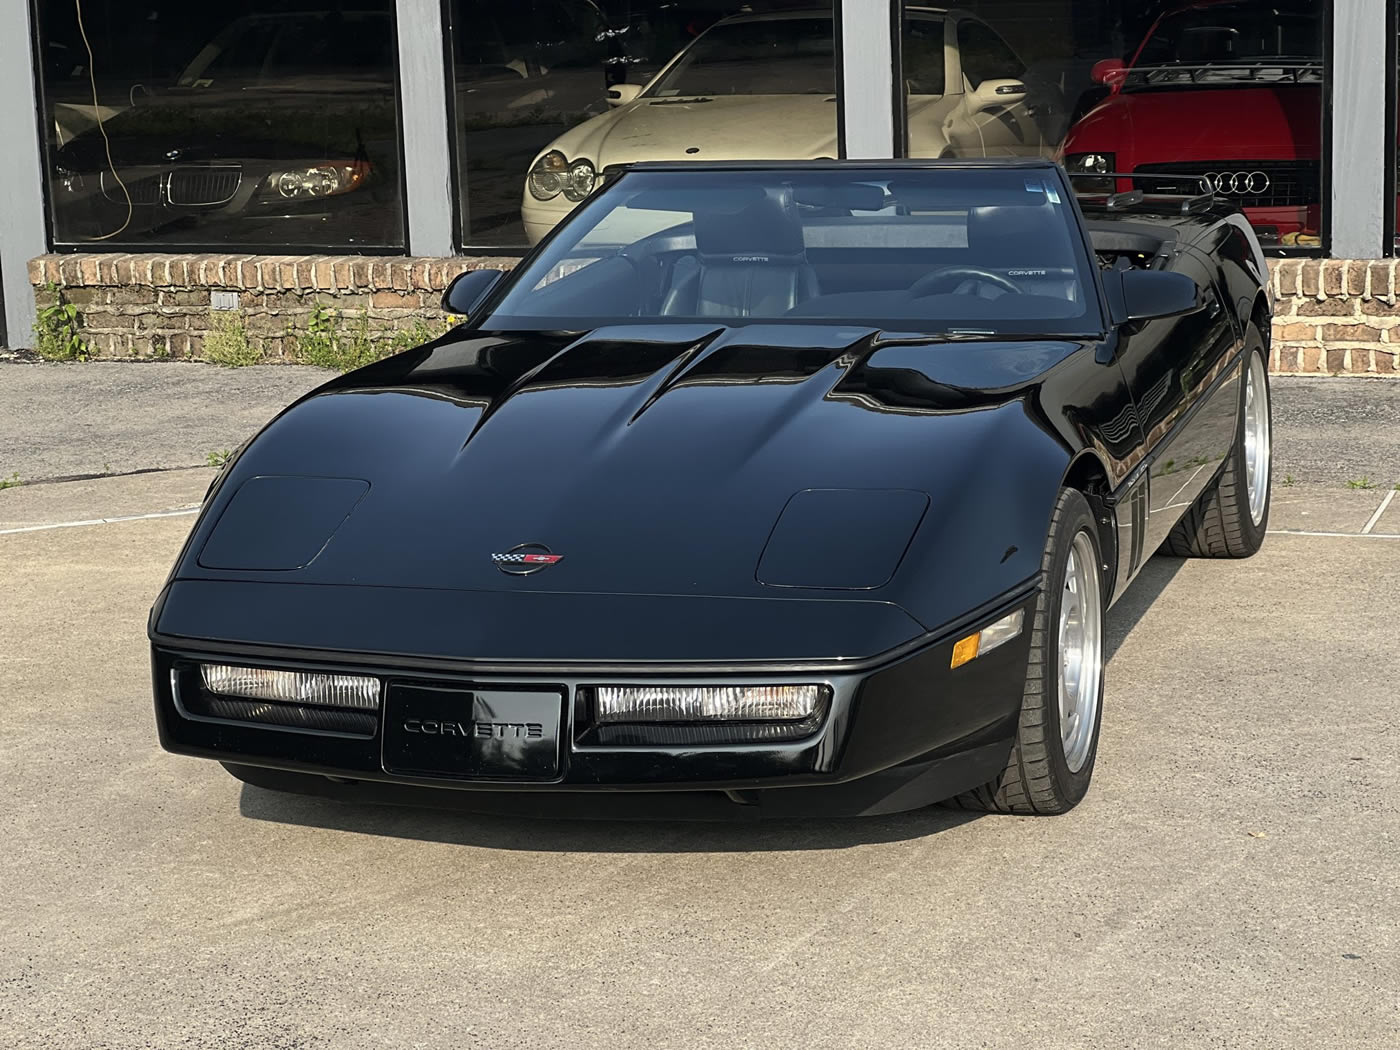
1143, 295
469, 290
621, 94
1108, 71
991, 93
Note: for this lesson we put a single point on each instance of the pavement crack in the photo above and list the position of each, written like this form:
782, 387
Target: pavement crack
64, 478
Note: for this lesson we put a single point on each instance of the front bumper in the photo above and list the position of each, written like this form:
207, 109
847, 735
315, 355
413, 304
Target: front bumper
898, 733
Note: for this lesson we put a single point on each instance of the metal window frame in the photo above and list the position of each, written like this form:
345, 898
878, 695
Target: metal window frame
1392, 136
1355, 208
23, 205
867, 76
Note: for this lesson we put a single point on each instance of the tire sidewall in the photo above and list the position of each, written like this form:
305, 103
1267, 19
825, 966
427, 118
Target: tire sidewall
1077, 518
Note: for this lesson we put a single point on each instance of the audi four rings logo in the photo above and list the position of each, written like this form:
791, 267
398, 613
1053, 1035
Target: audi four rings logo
1237, 182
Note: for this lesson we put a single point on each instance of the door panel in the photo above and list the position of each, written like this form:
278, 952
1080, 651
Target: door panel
1184, 379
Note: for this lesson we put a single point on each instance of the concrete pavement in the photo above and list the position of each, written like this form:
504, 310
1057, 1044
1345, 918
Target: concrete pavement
1228, 882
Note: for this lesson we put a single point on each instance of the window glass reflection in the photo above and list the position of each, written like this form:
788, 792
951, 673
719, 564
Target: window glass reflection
259, 123
1172, 92
548, 93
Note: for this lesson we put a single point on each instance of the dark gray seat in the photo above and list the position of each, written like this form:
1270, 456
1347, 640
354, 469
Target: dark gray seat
748, 263
1027, 246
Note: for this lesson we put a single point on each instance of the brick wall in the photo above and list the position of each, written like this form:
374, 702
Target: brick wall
159, 306
1335, 317
1332, 316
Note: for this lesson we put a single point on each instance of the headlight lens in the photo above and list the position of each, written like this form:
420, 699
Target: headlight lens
548, 175
292, 687
322, 180
553, 175
756, 703
1091, 163
579, 183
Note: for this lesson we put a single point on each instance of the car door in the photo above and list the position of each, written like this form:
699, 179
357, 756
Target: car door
1184, 377
998, 130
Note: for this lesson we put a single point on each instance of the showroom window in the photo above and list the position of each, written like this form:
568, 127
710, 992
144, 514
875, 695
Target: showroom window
548, 93
254, 124
1176, 95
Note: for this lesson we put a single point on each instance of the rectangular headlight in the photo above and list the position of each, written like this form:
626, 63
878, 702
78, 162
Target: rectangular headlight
754, 703
292, 687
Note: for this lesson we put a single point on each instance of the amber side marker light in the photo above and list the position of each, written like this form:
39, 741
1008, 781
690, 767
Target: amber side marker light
988, 638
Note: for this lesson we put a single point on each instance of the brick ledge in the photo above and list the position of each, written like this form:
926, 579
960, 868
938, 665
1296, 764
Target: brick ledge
1332, 316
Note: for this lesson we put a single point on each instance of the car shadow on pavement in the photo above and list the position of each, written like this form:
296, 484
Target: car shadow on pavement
1152, 579
658, 833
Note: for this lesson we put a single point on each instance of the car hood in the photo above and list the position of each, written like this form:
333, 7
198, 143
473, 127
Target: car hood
657, 460
312, 119
724, 127
1278, 122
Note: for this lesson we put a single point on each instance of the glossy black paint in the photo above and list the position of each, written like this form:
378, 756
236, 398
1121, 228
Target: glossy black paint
469, 290
693, 476
1147, 295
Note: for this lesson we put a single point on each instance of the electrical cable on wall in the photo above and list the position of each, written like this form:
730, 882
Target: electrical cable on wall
101, 127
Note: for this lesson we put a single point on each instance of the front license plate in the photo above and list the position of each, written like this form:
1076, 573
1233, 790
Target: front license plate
486, 733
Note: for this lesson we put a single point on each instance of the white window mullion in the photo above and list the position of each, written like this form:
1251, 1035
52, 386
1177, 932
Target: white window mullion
1359, 139
427, 139
866, 78
22, 169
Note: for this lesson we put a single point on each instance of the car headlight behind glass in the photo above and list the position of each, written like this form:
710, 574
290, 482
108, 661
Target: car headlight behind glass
321, 180
553, 175
1089, 164
579, 183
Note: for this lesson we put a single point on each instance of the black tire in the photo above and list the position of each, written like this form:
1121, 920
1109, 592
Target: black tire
1037, 780
1218, 524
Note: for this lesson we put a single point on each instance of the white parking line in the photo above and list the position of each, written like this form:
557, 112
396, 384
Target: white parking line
101, 521
1379, 511
1341, 535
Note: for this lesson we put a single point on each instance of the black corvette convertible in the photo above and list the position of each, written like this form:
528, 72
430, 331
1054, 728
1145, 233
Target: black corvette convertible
769, 488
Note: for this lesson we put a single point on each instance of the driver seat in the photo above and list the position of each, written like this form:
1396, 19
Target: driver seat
1026, 245
748, 263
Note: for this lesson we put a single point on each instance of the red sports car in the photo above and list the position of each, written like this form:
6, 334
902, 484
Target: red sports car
1225, 90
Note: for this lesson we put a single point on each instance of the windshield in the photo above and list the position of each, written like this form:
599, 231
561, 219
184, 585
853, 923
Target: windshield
782, 56
972, 251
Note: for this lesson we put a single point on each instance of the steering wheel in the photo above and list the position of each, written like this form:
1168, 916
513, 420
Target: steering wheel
933, 283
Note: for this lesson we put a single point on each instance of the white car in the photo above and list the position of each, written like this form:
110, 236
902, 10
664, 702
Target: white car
762, 87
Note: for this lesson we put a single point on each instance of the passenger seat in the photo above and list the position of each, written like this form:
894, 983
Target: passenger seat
749, 263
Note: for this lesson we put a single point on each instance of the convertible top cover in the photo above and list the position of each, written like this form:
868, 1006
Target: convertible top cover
1000, 248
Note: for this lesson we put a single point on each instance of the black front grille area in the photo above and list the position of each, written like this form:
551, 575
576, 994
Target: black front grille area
291, 716
1250, 184
203, 187
143, 191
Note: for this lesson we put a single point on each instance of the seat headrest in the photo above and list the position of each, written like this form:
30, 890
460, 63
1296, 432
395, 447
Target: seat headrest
1008, 235
766, 230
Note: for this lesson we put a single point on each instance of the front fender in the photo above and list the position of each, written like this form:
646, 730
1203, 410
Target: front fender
985, 535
